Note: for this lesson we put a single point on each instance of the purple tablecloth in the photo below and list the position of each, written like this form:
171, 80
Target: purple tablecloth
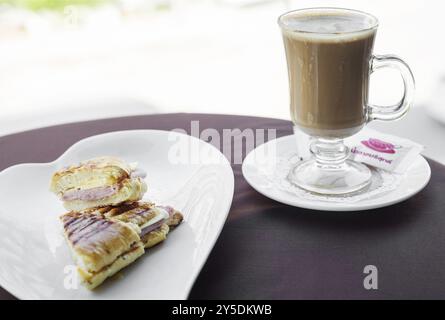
268, 250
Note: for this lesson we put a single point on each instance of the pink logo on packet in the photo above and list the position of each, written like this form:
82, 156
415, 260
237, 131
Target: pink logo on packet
379, 145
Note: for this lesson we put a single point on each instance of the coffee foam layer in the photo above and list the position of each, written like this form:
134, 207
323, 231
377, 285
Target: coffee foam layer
329, 25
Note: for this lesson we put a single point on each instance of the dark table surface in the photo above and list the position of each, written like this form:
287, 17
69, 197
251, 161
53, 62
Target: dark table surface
268, 250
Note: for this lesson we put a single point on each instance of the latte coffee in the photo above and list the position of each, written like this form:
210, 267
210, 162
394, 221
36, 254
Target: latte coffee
328, 58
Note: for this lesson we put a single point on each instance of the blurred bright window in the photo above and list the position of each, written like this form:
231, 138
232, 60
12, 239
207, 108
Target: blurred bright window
67, 60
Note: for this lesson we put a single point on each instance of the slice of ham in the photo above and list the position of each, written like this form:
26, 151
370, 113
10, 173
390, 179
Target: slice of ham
152, 227
90, 194
174, 217
169, 210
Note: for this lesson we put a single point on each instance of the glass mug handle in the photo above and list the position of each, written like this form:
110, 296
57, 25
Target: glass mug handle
398, 110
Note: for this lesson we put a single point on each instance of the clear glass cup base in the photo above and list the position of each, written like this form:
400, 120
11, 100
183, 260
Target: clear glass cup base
347, 177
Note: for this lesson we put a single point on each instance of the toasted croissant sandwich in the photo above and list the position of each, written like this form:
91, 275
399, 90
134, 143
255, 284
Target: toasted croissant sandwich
98, 182
105, 240
100, 247
154, 222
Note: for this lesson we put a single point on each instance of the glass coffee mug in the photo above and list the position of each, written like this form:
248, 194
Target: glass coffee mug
329, 59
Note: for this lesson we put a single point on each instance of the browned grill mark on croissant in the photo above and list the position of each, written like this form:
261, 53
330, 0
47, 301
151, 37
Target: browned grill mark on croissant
96, 227
84, 227
114, 211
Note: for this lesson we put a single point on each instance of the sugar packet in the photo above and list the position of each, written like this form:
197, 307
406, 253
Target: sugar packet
384, 151
371, 147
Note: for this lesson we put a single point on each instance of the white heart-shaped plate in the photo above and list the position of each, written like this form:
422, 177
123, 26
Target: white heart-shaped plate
183, 171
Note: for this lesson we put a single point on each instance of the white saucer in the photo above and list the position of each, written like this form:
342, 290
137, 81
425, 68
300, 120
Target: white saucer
264, 156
